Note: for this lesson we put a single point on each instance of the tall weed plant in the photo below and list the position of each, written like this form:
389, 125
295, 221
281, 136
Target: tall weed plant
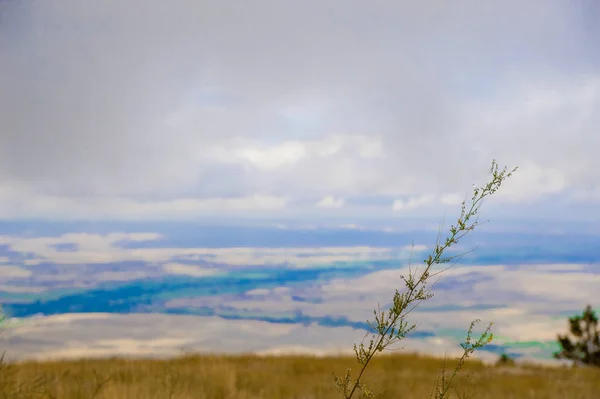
390, 327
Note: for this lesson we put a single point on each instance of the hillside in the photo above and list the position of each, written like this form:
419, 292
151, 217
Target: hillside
285, 377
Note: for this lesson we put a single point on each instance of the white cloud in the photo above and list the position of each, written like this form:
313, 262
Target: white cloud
27, 204
247, 114
531, 181
452, 199
411, 203
288, 153
329, 201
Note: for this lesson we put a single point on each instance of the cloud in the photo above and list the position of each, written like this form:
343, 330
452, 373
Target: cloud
452, 199
414, 202
198, 108
45, 206
272, 158
532, 181
329, 201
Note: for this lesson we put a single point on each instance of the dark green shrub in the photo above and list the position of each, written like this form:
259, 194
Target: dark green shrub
585, 347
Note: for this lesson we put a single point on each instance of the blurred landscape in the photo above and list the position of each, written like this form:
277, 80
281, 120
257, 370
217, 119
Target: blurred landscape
193, 192
165, 289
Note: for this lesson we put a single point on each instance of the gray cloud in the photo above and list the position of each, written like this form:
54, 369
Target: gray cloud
134, 99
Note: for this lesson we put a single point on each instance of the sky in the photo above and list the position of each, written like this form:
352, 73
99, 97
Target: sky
278, 109
264, 167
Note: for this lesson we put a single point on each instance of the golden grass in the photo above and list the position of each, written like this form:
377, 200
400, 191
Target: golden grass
299, 377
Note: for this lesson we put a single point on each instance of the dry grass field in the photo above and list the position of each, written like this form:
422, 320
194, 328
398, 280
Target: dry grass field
300, 377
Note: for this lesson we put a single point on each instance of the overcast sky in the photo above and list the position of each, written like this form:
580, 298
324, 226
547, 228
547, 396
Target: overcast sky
178, 109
